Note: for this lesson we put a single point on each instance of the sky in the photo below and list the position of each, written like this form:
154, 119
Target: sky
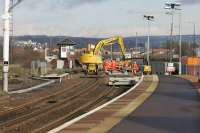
99, 18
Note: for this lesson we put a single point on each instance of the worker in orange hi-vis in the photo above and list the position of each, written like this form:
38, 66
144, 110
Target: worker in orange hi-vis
127, 66
135, 68
114, 65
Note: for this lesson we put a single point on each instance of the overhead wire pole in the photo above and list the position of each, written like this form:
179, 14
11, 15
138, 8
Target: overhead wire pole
148, 18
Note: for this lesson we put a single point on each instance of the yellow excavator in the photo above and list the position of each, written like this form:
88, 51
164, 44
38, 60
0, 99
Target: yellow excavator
93, 59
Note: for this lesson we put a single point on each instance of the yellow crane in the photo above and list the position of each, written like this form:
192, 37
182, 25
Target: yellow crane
92, 59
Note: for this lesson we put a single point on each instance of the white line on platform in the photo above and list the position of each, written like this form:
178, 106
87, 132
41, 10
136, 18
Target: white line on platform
67, 124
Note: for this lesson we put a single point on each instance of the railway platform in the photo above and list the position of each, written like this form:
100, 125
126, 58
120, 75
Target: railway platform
165, 105
173, 108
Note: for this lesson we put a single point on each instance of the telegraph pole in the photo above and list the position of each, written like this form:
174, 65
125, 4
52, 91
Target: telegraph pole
148, 18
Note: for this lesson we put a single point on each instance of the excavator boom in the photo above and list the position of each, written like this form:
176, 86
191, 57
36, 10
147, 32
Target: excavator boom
110, 41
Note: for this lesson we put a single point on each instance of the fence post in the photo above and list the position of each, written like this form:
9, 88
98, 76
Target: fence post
199, 73
186, 69
193, 72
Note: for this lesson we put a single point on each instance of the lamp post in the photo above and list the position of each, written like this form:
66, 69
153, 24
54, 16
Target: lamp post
172, 7
194, 36
194, 39
148, 18
180, 44
136, 44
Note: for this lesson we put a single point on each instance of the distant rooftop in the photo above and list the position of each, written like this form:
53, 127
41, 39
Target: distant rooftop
67, 42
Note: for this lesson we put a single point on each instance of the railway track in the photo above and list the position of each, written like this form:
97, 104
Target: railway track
28, 105
56, 109
35, 100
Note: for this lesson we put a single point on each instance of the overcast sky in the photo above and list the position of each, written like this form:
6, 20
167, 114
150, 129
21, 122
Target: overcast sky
98, 18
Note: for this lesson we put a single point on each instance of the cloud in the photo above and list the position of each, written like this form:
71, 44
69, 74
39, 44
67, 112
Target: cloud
63, 4
75, 3
190, 2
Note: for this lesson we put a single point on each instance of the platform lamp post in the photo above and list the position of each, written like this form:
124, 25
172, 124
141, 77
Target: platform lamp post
172, 7
180, 43
194, 36
6, 17
136, 41
148, 18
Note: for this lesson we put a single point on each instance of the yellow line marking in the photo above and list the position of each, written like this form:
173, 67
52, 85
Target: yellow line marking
110, 122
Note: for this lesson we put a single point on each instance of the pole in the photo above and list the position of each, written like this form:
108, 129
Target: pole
194, 43
111, 55
148, 43
136, 43
180, 44
6, 45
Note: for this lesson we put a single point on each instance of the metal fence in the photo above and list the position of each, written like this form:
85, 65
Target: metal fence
193, 70
38, 68
158, 67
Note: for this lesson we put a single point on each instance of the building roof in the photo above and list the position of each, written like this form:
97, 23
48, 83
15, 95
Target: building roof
67, 42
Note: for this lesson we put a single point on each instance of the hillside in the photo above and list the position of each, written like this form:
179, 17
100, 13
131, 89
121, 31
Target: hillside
156, 41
